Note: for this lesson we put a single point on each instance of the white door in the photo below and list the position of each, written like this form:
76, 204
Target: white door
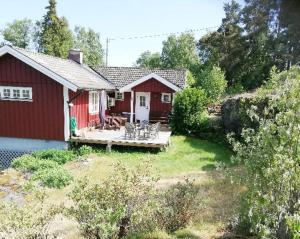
142, 106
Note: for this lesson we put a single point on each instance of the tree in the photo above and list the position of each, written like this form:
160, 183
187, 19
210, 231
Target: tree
149, 60
180, 52
271, 161
212, 81
88, 41
18, 33
226, 46
55, 37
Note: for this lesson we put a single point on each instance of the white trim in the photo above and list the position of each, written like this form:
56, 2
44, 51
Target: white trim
148, 77
118, 92
93, 108
170, 97
131, 106
66, 114
37, 66
11, 90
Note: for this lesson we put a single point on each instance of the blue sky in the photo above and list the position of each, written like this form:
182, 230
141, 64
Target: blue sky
122, 18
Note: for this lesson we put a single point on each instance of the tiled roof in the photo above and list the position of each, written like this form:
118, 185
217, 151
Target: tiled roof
122, 76
80, 75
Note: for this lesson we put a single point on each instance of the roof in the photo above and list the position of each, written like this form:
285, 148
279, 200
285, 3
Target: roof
123, 76
67, 72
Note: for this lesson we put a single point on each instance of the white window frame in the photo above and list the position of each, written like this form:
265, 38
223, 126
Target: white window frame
163, 97
14, 88
117, 94
94, 102
111, 102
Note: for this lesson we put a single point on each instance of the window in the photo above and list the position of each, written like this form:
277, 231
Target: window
119, 95
25, 94
6, 93
93, 102
166, 97
15, 93
142, 101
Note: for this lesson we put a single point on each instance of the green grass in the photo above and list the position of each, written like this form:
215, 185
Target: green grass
186, 154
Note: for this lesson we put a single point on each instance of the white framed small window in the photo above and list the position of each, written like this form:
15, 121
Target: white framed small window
93, 102
15, 93
111, 102
166, 97
119, 95
6, 93
142, 101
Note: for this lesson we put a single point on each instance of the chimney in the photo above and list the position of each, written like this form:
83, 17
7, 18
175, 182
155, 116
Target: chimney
76, 55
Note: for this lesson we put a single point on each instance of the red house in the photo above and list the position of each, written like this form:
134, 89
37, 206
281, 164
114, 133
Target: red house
39, 94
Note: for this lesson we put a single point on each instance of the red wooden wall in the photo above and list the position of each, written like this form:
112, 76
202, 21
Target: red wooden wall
43, 118
157, 108
80, 110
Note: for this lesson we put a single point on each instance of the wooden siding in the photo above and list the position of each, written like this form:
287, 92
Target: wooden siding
152, 85
157, 108
43, 118
80, 110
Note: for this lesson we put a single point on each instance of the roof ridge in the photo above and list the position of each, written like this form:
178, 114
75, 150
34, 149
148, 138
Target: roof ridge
143, 68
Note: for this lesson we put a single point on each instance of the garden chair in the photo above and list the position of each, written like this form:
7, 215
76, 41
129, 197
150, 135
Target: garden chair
129, 131
152, 131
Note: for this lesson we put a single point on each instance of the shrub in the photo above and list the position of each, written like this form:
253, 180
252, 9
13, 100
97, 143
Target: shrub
32, 220
53, 177
32, 164
178, 206
59, 156
188, 110
121, 205
212, 81
85, 150
271, 160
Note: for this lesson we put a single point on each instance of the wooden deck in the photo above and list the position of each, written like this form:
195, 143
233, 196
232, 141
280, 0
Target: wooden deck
117, 137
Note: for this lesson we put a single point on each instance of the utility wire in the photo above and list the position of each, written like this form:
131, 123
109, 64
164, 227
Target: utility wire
108, 39
162, 34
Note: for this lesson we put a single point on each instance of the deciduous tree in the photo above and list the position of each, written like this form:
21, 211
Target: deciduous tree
18, 33
88, 41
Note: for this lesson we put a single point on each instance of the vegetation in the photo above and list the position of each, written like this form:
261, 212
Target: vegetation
88, 41
188, 110
18, 33
54, 37
271, 160
149, 60
45, 167
51, 35
29, 221
213, 82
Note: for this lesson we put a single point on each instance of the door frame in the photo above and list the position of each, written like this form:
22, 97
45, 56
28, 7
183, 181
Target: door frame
137, 107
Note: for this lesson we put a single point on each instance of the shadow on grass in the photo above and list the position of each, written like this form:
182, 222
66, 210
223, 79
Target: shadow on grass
101, 148
222, 153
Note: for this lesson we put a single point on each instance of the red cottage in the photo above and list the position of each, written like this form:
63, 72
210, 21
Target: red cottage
39, 94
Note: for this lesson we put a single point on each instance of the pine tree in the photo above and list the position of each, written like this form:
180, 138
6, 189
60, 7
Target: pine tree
55, 37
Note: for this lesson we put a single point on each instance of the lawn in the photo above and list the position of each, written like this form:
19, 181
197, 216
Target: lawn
186, 157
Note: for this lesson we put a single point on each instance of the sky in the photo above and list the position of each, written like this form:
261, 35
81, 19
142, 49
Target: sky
116, 19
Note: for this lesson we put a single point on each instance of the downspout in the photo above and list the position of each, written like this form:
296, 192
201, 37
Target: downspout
69, 107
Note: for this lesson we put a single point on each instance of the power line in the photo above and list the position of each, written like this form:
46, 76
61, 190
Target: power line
108, 39
161, 34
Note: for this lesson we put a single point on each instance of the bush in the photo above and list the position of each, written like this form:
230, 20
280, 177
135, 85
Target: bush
29, 221
178, 206
85, 150
53, 177
59, 156
188, 110
271, 159
119, 206
32, 164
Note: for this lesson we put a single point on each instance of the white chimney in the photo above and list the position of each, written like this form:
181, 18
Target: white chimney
76, 55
